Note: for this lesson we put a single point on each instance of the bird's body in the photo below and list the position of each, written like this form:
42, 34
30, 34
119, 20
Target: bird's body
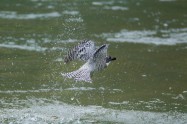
82, 51
96, 60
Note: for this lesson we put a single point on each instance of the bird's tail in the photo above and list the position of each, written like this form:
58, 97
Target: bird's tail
81, 74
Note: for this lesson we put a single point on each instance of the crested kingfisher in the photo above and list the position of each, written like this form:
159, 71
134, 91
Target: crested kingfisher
95, 60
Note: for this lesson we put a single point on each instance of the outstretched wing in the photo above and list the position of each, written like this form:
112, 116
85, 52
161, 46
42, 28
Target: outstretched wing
99, 57
82, 74
82, 51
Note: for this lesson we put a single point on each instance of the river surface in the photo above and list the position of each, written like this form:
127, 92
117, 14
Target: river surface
147, 83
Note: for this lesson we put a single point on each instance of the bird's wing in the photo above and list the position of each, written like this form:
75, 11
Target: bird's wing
99, 57
82, 51
82, 74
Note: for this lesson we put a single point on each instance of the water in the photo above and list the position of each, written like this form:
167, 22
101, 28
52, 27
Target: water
147, 83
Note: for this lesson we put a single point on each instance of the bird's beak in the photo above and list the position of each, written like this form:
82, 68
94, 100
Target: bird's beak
114, 58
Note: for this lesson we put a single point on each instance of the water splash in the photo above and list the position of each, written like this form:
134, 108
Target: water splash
63, 113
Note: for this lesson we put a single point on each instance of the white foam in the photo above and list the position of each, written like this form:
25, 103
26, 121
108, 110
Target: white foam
169, 37
31, 44
48, 90
102, 3
81, 88
119, 103
27, 91
24, 47
63, 113
15, 15
71, 12
46, 40
116, 8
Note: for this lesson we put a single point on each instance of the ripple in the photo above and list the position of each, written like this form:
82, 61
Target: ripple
102, 3
27, 91
168, 37
63, 113
119, 103
80, 89
24, 47
31, 44
71, 12
15, 15
116, 8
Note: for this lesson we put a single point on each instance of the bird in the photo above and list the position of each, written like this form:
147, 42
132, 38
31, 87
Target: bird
95, 60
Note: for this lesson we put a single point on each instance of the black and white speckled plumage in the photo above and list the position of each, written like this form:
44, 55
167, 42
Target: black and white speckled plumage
96, 61
83, 51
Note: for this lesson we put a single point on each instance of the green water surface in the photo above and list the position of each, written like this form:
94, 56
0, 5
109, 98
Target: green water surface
150, 73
